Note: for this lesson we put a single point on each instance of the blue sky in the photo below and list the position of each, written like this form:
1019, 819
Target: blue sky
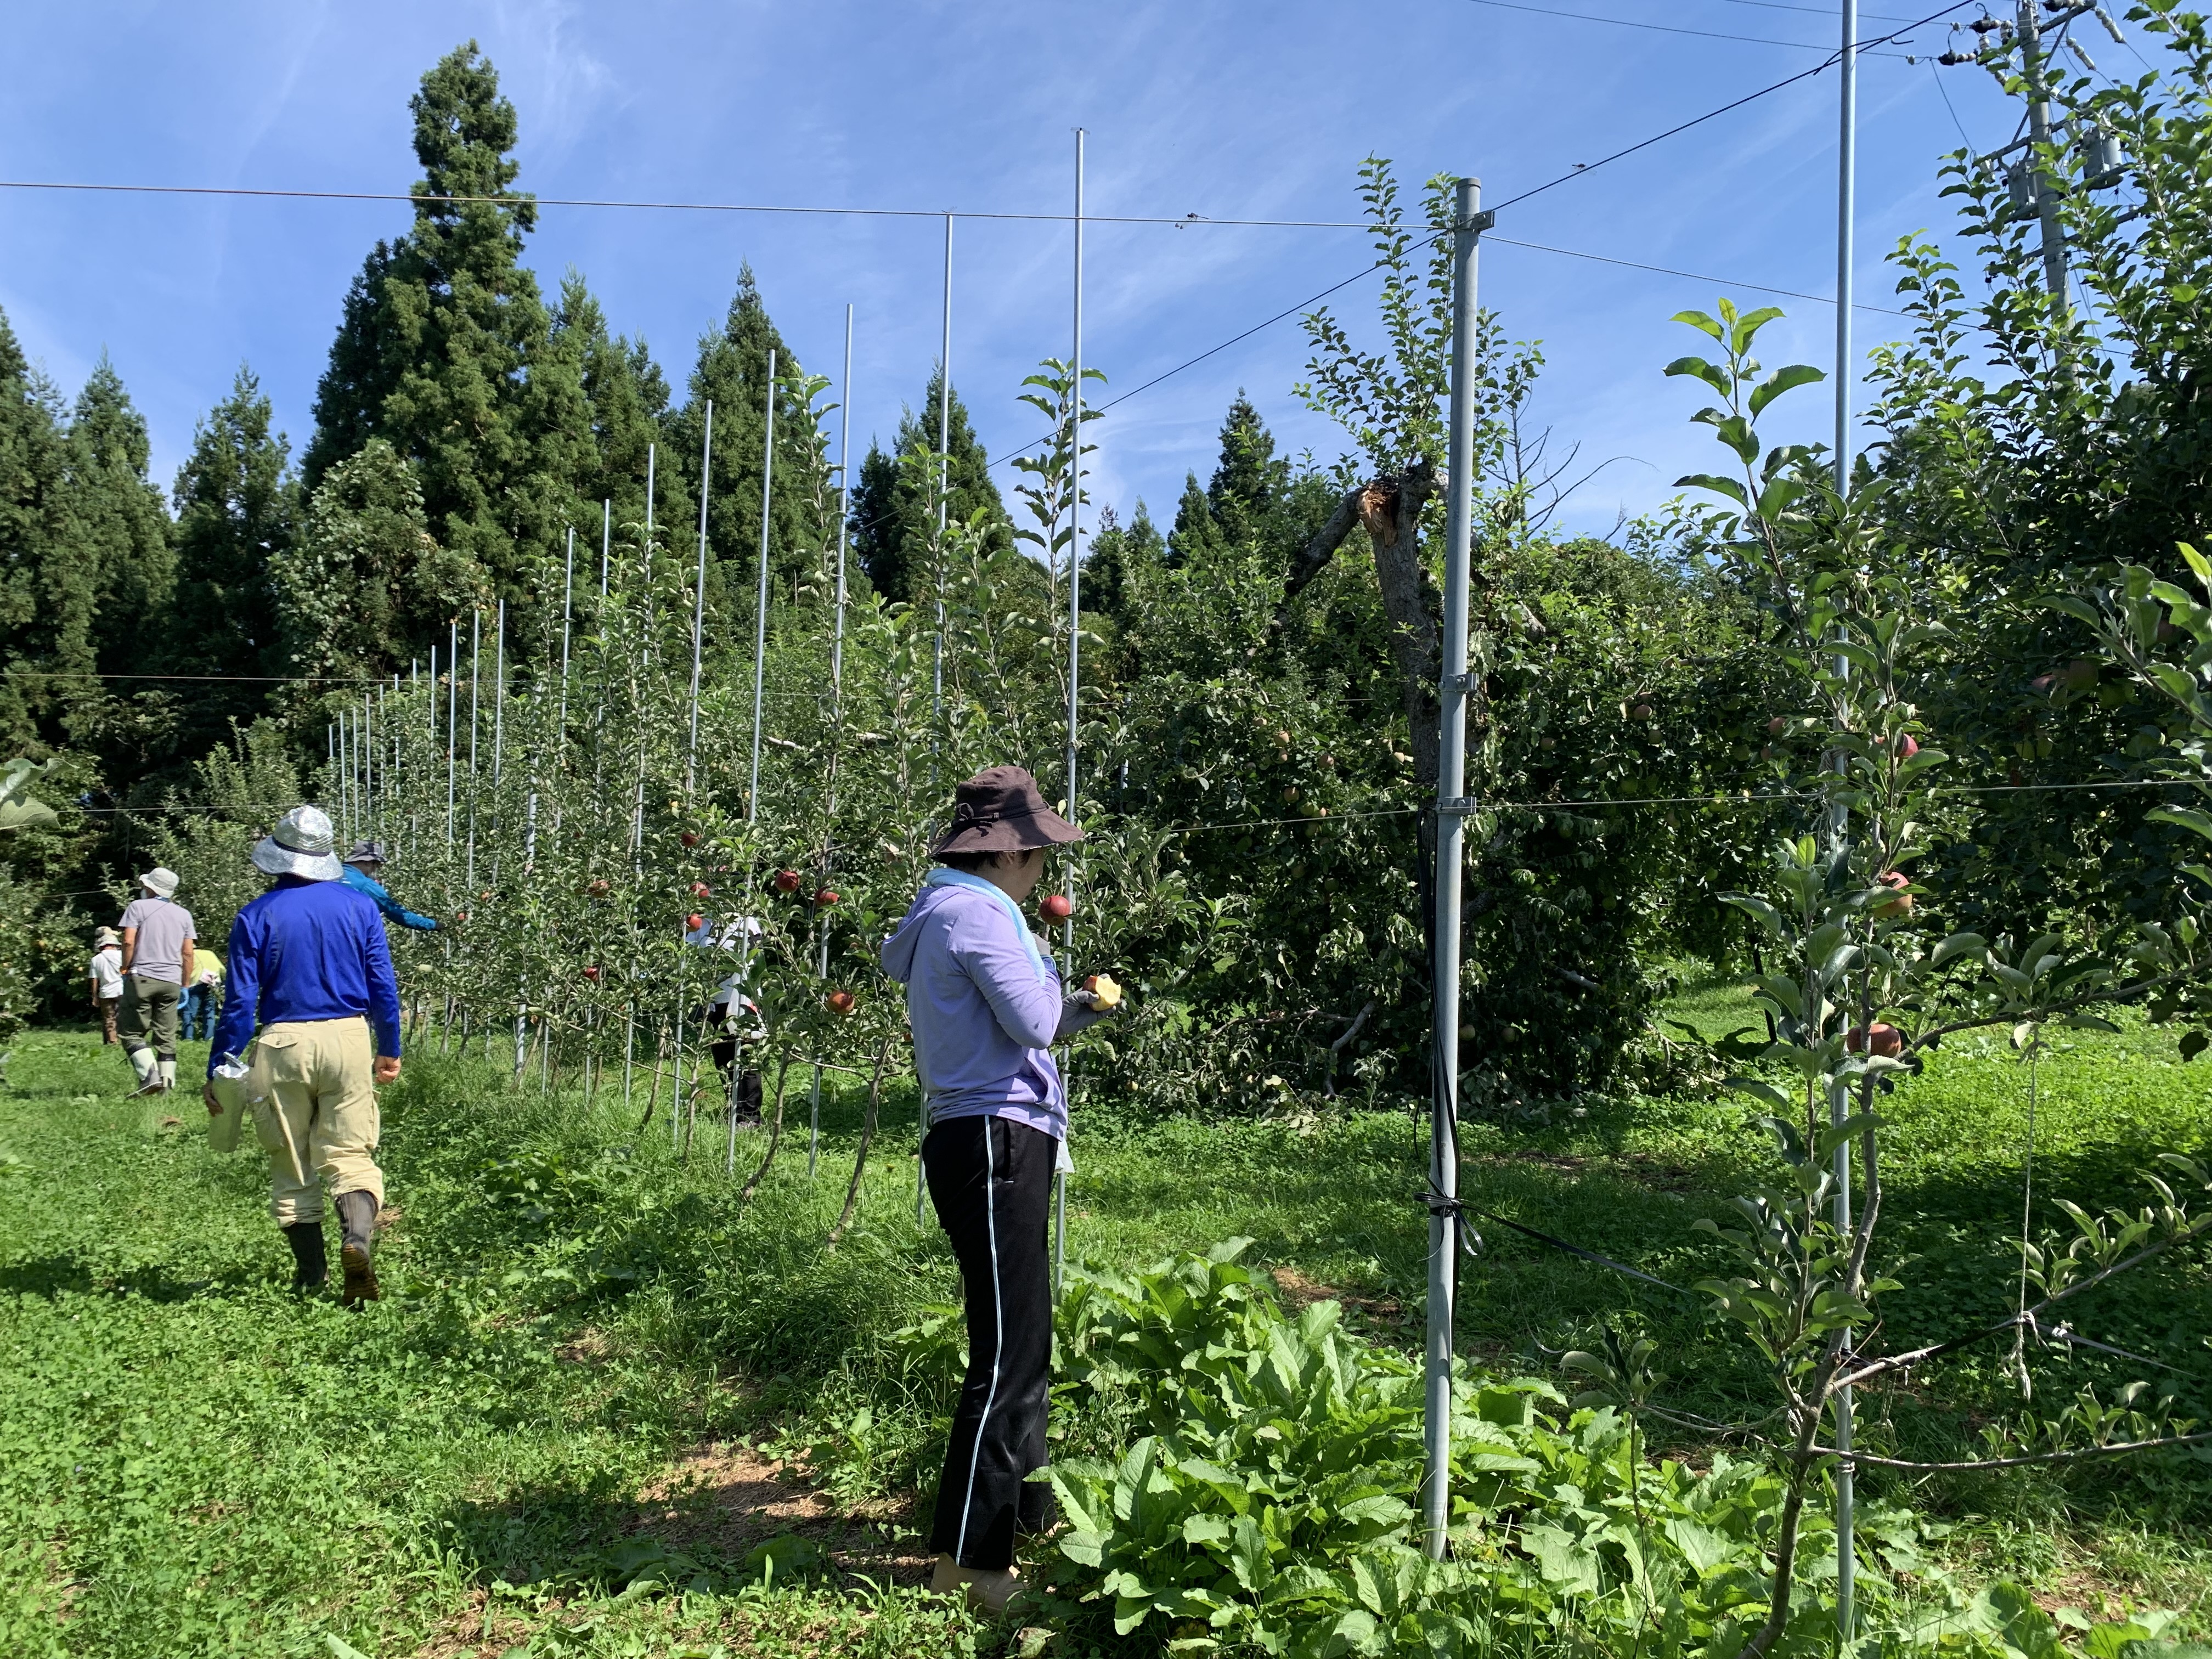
1226, 108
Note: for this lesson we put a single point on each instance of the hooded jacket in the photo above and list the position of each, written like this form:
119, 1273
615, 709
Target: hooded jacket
983, 1018
367, 886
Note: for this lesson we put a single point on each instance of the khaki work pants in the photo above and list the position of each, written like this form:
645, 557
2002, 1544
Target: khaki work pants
314, 1110
108, 1007
149, 1009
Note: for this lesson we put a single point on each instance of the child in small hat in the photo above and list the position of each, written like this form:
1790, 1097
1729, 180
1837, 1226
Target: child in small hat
106, 975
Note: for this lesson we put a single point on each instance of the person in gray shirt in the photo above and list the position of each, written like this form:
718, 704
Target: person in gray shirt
157, 954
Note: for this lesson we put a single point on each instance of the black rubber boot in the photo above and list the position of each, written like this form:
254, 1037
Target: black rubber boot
311, 1264
357, 1214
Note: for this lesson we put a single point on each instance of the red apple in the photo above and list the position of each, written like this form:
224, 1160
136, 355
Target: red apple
786, 881
460, 915
842, 1002
1778, 725
591, 973
1057, 906
826, 897
1906, 748
1897, 880
1883, 1040
690, 838
699, 891
694, 922
600, 889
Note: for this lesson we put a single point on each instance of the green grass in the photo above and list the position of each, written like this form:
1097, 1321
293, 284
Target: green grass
193, 1462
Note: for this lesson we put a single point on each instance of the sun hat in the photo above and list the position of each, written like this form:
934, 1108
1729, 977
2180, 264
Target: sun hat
106, 936
368, 852
160, 881
300, 845
1000, 811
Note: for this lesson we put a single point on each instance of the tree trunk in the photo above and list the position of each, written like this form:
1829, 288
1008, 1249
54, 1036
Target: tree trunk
1390, 509
774, 1128
867, 1135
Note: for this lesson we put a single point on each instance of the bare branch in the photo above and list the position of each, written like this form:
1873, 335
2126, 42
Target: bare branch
2027, 1316
2076, 1455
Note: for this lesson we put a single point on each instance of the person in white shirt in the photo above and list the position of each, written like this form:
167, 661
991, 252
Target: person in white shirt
730, 1018
108, 980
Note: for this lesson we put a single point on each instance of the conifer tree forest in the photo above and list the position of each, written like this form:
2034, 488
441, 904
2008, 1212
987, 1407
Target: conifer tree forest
460, 612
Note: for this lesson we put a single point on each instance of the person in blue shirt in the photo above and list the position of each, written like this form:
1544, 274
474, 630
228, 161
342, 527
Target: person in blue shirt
313, 1012
362, 866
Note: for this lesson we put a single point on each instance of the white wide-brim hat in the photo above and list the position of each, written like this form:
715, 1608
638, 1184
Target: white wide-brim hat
160, 881
300, 845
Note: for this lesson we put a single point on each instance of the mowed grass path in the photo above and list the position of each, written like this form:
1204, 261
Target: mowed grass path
191, 1461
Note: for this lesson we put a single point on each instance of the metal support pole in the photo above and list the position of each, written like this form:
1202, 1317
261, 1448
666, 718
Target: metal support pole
606, 540
836, 708
368, 768
2039, 132
475, 657
699, 601
944, 488
1451, 824
567, 611
844, 512
453, 730
760, 603
498, 731
1846, 215
1074, 684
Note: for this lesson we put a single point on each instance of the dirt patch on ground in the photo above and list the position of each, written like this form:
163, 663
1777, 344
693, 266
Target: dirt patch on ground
721, 1497
1298, 1293
586, 1347
727, 1497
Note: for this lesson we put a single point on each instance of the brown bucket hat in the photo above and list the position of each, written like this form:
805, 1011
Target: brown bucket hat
1000, 811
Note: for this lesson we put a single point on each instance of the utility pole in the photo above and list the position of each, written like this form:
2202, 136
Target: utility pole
1468, 223
2034, 188
2038, 132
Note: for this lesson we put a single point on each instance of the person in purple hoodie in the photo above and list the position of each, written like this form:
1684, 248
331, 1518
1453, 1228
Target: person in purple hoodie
985, 1003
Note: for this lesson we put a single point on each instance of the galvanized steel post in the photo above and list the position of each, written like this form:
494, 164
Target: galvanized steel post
1451, 778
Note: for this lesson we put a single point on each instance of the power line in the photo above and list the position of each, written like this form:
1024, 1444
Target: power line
1820, 11
1788, 80
522, 199
1668, 270
1666, 28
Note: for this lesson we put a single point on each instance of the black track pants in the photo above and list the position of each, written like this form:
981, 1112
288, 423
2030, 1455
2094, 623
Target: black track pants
990, 1180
